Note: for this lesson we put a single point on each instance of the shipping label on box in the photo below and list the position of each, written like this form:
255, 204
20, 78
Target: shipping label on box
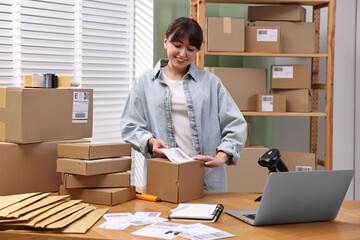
175, 182
271, 103
290, 77
263, 39
294, 13
119, 179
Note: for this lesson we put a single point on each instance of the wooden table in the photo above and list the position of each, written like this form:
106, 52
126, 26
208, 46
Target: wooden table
345, 226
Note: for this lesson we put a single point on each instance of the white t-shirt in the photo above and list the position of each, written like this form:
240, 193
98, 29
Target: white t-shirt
180, 116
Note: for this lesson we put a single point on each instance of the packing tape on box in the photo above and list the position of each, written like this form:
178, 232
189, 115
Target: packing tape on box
2, 131
2, 97
227, 25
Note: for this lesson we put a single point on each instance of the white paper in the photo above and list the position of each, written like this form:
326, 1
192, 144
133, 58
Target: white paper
175, 155
283, 72
162, 230
80, 107
118, 217
196, 210
267, 35
267, 103
114, 225
200, 231
142, 218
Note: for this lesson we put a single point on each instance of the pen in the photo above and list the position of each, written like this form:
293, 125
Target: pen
147, 197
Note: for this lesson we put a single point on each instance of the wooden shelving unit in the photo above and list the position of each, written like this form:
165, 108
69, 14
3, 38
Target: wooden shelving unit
197, 12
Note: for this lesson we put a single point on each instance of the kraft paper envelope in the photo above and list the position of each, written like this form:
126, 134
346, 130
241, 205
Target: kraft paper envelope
41, 203
6, 211
60, 215
6, 201
86, 222
71, 218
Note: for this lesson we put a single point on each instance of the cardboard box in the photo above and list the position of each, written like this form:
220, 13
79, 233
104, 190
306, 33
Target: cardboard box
175, 182
271, 103
297, 100
243, 84
119, 179
248, 133
294, 13
290, 76
103, 196
296, 37
225, 34
263, 39
29, 115
94, 150
28, 168
93, 167
248, 176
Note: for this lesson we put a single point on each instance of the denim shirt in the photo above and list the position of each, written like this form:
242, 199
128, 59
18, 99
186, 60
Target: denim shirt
216, 123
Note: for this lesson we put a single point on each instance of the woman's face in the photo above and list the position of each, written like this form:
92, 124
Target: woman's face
180, 53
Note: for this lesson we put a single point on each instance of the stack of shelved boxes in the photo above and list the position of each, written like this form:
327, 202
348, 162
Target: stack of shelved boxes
96, 172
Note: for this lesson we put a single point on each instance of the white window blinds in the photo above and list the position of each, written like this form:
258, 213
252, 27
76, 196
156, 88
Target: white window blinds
6, 69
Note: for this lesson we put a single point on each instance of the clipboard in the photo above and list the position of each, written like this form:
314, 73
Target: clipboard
197, 212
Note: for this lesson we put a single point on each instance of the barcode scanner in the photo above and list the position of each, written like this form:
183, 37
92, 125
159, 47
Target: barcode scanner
271, 159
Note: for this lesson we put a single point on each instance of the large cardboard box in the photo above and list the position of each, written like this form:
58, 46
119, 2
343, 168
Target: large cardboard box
103, 196
119, 179
225, 34
29, 115
263, 39
175, 182
248, 176
94, 150
294, 13
243, 84
93, 167
271, 103
28, 167
290, 76
296, 37
297, 100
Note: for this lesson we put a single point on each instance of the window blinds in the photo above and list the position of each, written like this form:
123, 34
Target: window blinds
6, 70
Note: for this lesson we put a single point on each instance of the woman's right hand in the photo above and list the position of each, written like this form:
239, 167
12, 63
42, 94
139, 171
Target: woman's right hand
155, 144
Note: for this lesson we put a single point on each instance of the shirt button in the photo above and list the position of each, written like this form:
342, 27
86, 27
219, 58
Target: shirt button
197, 149
193, 126
190, 106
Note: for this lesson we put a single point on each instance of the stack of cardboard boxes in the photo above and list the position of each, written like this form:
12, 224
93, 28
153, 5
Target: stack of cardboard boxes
32, 123
96, 172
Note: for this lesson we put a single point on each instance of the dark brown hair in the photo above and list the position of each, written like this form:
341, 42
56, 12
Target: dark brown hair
182, 27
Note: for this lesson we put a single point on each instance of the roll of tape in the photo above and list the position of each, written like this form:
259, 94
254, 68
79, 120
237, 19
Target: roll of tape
227, 25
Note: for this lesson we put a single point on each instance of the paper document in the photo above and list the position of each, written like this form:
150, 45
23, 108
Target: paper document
175, 155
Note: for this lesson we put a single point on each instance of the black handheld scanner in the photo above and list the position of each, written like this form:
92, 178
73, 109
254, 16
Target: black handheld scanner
271, 159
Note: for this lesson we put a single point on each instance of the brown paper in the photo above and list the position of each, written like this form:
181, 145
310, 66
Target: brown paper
71, 218
6, 201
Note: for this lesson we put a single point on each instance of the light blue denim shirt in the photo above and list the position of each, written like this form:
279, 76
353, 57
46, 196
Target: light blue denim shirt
216, 123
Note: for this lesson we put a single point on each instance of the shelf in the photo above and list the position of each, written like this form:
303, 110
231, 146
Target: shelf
303, 2
252, 54
285, 114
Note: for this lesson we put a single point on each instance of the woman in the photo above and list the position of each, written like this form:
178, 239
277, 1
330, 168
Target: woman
178, 105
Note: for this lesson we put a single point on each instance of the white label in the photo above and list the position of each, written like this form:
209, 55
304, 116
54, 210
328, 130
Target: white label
80, 107
303, 168
267, 103
283, 72
175, 155
267, 35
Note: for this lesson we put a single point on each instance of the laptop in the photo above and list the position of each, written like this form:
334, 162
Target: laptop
296, 197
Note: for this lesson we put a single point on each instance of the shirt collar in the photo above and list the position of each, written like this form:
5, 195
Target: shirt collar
191, 74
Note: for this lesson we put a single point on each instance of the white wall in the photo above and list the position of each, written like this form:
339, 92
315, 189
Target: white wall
357, 105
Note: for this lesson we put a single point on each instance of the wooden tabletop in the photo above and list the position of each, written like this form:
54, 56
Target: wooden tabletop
345, 226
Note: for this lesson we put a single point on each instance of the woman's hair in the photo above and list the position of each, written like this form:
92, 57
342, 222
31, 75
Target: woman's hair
182, 27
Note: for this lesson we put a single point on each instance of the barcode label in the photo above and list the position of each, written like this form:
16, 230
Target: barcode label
267, 103
278, 69
267, 35
80, 115
303, 168
80, 107
283, 72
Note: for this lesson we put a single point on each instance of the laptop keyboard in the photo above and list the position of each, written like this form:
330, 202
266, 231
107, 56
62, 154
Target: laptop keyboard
251, 216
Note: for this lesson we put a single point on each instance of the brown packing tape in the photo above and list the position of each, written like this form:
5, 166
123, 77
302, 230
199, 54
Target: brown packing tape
227, 25
2, 131
3, 97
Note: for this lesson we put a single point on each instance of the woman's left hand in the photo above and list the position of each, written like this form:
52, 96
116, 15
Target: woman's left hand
212, 162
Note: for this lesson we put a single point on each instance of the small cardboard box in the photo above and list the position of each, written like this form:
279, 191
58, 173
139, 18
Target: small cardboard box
103, 196
294, 13
297, 100
175, 182
263, 39
225, 34
94, 150
93, 167
296, 37
29, 115
28, 168
271, 103
119, 179
299, 161
234, 79
290, 76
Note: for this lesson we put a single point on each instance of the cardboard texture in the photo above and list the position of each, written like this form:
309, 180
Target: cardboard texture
235, 80
294, 13
296, 37
249, 176
26, 168
297, 100
30, 115
270, 103
93, 150
248, 133
225, 34
104, 196
93, 167
290, 76
254, 42
175, 182
121, 179
10, 200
